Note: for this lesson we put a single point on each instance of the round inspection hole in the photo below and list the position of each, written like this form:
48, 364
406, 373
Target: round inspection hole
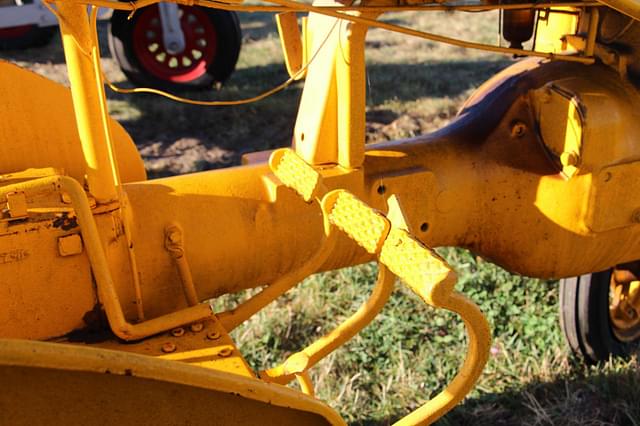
382, 189
424, 227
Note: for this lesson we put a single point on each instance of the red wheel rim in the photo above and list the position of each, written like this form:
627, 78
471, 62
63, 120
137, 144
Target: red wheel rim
15, 32
200, 45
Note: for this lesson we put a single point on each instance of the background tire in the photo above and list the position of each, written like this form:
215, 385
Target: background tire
213, 40
25, 36
585, 320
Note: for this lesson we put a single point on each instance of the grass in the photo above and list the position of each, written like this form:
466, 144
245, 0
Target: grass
410, 351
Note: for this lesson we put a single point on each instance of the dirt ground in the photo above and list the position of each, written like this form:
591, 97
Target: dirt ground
175, 138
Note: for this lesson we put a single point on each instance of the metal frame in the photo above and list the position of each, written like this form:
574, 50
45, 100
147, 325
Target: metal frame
326, 200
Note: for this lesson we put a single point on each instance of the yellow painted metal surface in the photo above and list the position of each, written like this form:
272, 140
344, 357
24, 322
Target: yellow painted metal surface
82, 55
35, 135
563, 141
331, 120
75, 385
525, 176
292, 43
205, 344
553, 27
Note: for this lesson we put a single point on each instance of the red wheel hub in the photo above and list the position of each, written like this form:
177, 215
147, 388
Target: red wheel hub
15, 32
199, 51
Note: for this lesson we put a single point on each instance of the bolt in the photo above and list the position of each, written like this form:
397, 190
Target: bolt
168, 347
196, 327
214, 335
569, 159
174, 236
225, 352
518, 129
177, 332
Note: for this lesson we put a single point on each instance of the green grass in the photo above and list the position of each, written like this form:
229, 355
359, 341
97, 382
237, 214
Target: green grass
410, 351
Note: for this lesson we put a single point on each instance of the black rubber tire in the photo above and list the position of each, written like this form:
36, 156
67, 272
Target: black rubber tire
34, 37
584, 318
229, 37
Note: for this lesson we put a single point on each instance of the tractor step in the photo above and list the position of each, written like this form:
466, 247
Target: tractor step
295, 173
404, 255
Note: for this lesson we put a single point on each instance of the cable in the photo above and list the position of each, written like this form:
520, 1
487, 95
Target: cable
201, 103
256, 98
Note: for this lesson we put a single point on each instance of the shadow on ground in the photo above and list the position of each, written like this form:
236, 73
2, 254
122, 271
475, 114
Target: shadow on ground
594, 399
230, 132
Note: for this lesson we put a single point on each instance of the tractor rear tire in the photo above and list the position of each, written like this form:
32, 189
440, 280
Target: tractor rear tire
25, 36
212, 45
585, 320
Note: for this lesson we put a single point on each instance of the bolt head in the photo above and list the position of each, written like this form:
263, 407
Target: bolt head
225, 352
518, 129
196, 327
214, 335
168, 347
177, 332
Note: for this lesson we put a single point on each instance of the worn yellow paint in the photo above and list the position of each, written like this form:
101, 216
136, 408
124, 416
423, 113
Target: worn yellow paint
553, 27
556, 105
499, 180
292, 44
76, 385
90, 105
41, 136
70, 245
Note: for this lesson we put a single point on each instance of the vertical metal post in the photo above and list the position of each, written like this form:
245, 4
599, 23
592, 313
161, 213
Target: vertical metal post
351, 99
89, 102
330, 127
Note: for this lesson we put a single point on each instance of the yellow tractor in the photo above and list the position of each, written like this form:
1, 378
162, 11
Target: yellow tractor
106, 278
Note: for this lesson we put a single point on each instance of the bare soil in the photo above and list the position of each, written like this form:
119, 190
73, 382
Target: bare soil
411, 91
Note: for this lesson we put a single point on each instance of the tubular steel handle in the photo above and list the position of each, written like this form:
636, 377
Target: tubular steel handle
431, 278
399, 254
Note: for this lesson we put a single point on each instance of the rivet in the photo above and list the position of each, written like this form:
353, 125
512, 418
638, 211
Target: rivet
225, 352
214, 335
518, 129
196, 327
177, 332
168, 347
